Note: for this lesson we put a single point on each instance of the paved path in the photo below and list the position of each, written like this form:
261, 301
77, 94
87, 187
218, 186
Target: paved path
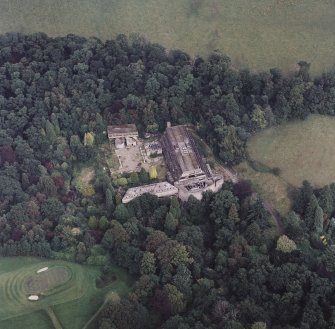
54, 318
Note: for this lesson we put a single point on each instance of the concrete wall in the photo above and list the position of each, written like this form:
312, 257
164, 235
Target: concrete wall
183, 194
152, 189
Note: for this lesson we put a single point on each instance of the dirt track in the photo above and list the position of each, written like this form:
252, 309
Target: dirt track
277, 217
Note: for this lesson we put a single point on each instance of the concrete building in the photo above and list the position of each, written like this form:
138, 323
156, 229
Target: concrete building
127, 130
186, 166
163, 189
187, 170
123, 135
119, 143
182, 157
131, 141
153, 148
196, 189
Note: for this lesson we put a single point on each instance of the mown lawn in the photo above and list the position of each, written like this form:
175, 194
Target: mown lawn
38, 320
85, 307
255, 33
73, 304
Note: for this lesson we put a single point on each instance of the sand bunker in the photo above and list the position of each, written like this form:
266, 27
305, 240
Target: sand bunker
42, 269
33, 297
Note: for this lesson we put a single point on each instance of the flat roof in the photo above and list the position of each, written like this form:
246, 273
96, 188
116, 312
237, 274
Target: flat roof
158, 189
122, 129
183, 148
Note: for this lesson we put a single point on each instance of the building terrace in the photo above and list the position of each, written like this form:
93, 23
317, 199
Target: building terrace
162, 189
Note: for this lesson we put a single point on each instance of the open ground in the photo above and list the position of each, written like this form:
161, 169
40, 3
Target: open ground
69, 294
129, 159
83, 177
302, 150
258, 34
134, 158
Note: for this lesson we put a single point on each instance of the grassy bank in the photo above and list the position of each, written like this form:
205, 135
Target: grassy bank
299, 150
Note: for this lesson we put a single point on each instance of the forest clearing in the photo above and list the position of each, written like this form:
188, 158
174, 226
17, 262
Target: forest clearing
302, 150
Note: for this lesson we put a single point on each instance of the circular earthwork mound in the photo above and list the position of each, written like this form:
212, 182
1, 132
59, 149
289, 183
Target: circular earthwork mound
44, 282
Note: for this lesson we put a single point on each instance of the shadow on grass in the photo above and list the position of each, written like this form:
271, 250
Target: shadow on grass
263, 168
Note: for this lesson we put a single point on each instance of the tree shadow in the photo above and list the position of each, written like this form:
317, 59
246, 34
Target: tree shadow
195, 7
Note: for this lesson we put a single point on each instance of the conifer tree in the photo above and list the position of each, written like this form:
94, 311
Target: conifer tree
171, 223
309, 214
303, 197
329, 258
110, 206
50, 132
318, 219
55, 123
175, 208
325, 199
233, 214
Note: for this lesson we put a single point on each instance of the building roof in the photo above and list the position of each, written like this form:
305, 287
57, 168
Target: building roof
159, 189
181, 152
122, 130
183, 149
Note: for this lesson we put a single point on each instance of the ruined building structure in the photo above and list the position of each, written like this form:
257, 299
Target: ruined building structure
123, 135
187, 168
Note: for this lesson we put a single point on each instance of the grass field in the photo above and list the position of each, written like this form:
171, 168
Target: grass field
270, 187
301, 149
254, 33
72, 298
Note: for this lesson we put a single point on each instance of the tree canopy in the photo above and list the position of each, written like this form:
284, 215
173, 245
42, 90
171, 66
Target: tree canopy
215, 263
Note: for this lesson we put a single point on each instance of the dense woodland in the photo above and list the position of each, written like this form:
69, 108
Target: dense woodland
218, 263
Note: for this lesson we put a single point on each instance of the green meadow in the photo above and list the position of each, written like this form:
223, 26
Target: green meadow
67, 292
258, 34
302, 150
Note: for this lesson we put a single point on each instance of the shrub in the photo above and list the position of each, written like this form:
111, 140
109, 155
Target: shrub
286, 245
153, 172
